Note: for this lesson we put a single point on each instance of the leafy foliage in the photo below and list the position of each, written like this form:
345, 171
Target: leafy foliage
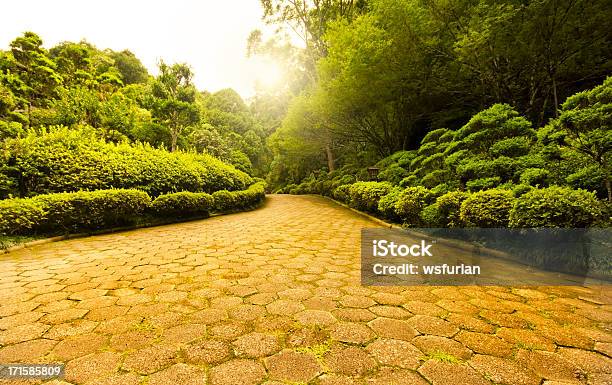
556, 206
65, 159
489, 208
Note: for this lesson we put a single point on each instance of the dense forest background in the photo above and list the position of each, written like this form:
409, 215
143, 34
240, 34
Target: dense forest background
371, 84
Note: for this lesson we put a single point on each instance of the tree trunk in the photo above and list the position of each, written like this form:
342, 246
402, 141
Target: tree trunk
554, 84
174, 135
331, 162
330, 158
609, 188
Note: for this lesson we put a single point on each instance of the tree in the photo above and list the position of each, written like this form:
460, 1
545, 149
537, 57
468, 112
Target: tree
36, 78
131, 68
585, 125
174, 99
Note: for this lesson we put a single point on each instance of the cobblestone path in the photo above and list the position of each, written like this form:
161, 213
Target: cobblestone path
273, 297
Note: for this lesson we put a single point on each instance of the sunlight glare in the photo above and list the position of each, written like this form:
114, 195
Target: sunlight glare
268, 73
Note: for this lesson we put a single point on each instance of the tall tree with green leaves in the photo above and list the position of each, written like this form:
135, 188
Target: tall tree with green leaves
36, 77
174, 99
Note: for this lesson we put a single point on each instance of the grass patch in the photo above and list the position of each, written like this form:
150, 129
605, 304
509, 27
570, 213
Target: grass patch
317, 350
530, 347
7, 241
443, 357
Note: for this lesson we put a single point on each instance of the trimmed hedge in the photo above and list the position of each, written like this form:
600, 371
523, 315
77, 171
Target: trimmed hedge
20, 216
92, 209
489, 208
183, 204
68, 160
71, 211
556, 207
95, 210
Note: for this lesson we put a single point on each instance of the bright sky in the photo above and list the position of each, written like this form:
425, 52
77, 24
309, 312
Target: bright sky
210, 35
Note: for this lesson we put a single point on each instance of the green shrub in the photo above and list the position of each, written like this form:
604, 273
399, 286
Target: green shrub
63, 212
449, 208
249, 198
590, 178
183, 204
386, 204
521, 189
409, 181
393, 174
65, 160
365, 195
534, 177
483, 183
223, 200
410, 203
341, 193
512, 147
431, 216
91, 210
435, 178
556, 207
443, 188
489, 208
20, 216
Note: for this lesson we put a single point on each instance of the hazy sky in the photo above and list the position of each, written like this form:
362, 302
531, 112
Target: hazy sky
210, 35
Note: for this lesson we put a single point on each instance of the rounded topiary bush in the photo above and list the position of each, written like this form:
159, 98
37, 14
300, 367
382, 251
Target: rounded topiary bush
556, 207
489, 208
410, 202
340, 193
365, 195
449, 208
386, 204
534, 177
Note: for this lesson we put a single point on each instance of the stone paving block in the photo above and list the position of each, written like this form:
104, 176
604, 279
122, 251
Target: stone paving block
254, 345
207, 351
444, 373
293, 366
150, 359
485, 343
395, 353
29, 351
550, 366
352, 333
78, 345
436, 344
182, 334
390, 312
432, 325
23, 333
503, 371
179, 374
91, 367
392, 328
315, 318
349, 361
591, 362
395, 376
237, 372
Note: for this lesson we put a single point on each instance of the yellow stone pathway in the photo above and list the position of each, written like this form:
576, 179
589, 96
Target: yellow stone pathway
273, 297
